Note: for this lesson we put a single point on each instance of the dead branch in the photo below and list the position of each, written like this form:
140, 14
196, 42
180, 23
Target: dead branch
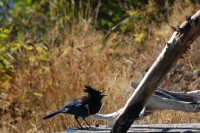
161, 99
178, 45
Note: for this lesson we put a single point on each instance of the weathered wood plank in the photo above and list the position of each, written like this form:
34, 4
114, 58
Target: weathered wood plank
181, 127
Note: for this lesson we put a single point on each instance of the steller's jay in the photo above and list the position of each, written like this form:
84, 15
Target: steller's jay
82, 107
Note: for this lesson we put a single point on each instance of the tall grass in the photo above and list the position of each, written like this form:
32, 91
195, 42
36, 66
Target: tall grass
48, 75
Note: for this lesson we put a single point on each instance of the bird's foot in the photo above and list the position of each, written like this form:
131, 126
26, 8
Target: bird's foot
89, 127
85, 128
82, 128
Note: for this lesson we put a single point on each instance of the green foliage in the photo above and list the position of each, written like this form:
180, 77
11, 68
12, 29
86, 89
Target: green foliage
139, 37
5, 65
31, 21
25, 22
4, 34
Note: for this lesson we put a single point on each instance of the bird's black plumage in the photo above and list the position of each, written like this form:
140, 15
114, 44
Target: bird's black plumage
83, 106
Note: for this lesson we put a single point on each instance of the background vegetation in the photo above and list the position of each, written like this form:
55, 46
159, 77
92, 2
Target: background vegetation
50, 49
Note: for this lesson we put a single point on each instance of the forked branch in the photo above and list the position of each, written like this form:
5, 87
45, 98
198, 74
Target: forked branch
177, 45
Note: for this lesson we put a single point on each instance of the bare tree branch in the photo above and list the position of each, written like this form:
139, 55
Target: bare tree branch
161, 99
178, 44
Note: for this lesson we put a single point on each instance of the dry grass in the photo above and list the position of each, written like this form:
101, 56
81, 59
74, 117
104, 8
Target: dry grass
40, 87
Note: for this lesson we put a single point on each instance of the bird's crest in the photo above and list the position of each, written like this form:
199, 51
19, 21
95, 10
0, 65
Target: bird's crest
88, 89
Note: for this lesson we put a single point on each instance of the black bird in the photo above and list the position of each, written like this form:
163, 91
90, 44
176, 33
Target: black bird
82, 107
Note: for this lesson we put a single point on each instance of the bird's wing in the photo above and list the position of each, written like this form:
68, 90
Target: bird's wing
77, 107
73, 103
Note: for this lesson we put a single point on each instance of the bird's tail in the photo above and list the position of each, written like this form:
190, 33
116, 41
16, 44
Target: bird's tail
52, 114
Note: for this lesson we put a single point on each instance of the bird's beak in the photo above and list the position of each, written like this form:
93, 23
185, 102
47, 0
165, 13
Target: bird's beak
103, 94
102, 91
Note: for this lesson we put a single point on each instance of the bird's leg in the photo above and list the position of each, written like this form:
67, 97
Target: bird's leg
86, 122
76, 118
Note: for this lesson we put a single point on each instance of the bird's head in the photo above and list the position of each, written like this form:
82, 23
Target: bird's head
93, 92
